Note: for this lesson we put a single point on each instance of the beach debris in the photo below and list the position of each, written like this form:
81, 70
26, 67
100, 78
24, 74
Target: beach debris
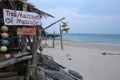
104, 53
68, 56
40, 49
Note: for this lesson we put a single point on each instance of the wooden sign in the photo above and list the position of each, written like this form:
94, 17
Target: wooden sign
26, 31
14, 17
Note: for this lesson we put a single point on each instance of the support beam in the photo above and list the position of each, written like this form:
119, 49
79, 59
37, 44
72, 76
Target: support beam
53, 24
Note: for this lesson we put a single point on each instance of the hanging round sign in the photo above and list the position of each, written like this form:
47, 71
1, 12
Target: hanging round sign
4, 28
5, 42
5, 35
3, 48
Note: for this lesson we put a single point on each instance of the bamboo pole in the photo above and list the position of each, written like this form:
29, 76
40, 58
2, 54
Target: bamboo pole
13, 78
60, 29
53, 23
8, 74
61, 38
14, 60
11, 4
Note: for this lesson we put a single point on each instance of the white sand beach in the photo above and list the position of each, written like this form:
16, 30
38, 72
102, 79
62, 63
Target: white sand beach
86, 58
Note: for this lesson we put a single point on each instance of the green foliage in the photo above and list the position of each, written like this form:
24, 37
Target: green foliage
21, 68
19, 6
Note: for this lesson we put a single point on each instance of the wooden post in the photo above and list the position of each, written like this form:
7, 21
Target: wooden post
34, 56
54, 39
61, 38
40, 40
46, 38
27, 77
34, 49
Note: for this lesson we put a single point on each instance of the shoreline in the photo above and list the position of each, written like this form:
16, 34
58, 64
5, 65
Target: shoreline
102, 46
93, 42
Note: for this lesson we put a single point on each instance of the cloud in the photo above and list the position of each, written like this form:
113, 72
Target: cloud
48, 4
85, 23
82, 6
84, 16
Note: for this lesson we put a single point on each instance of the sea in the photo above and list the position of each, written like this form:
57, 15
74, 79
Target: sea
94, 66
94, 38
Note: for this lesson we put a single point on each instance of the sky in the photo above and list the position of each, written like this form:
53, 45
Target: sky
83, 16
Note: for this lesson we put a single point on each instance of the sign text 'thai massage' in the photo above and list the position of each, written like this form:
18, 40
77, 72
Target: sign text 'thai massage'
13, 17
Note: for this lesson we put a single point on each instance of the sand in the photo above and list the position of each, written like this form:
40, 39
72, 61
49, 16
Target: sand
86, 58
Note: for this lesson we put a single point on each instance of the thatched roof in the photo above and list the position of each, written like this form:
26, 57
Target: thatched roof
12, 4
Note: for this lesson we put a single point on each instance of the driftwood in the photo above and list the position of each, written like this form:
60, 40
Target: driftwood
105, 53
13, 78
41, 75
57, 75
14, 60
48, 63
21, 55
48, 69
75, 74
8, 74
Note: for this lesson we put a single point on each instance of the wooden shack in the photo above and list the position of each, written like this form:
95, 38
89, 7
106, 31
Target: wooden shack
19, 37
